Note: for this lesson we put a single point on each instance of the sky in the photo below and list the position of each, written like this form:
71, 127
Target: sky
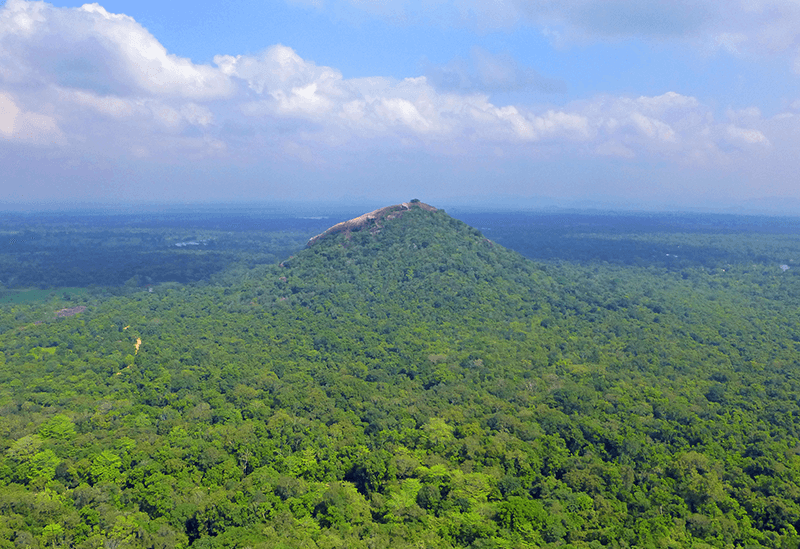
628, 103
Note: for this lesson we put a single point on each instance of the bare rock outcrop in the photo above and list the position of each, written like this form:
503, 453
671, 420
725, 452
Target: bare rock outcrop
72, 311
372, 219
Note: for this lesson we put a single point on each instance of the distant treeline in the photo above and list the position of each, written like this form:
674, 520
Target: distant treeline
81, 250
98, 249
672, 241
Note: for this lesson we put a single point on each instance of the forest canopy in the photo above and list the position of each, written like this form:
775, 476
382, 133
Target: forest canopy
412, 383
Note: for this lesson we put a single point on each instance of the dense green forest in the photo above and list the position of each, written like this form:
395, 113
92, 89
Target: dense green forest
414, 384
52, 250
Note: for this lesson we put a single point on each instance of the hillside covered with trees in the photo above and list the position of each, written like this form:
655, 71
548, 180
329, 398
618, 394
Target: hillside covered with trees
411, 383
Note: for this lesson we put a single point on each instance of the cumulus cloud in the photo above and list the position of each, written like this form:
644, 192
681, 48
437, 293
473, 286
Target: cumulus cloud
358, 110
28, 127
98, 84
288, 86
745, 135
92, 49
98, 81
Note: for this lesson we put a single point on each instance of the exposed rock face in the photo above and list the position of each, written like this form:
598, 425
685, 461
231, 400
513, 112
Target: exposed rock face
372, 219
61, 313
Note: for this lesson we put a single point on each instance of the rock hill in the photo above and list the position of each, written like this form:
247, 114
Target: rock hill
372, 220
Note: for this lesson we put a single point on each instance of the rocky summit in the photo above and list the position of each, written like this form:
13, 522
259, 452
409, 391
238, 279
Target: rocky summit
372, 220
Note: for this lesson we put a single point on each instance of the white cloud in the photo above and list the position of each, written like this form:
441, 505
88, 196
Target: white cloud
303, 100
575, 125
670, 125
395, 110
745, 135
290, 86
8, 114
111, 106
197, 114
92, 49
113, 91
26, 127
654, 129
278, 67
94, 83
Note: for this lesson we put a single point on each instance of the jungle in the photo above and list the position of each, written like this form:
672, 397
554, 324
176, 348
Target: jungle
503, 380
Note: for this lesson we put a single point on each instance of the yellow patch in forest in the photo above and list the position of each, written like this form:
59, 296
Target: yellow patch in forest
138, 344
126, 327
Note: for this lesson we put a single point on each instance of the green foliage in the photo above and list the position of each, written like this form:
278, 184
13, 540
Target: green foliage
64, 256
412, 384
105, 467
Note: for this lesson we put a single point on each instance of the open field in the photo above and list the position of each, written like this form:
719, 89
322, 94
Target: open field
11, 297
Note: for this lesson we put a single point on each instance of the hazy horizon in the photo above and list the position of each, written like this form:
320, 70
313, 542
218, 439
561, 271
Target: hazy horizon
333, 208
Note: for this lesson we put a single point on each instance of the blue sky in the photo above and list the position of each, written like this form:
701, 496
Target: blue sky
627, 103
